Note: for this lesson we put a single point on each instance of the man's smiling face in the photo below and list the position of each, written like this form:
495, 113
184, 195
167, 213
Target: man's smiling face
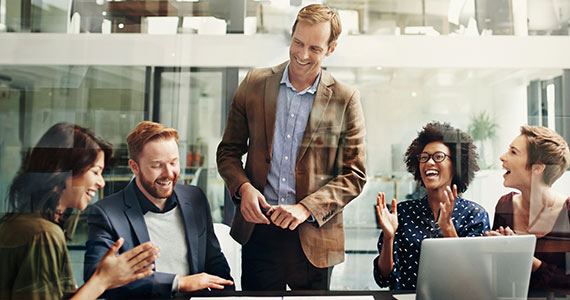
309, 46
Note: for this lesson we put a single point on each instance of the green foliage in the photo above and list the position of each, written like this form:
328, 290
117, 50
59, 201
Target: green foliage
482, 127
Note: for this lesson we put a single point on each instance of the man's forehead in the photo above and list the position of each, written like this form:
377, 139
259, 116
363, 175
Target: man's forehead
160, 146
306, 30
159, 141
152, 158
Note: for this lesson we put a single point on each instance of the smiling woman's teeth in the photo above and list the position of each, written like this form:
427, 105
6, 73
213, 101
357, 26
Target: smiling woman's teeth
431, 172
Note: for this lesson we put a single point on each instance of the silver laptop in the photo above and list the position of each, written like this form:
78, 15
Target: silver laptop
475, 268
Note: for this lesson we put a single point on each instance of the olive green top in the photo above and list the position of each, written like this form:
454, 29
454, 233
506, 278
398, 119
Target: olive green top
34, 262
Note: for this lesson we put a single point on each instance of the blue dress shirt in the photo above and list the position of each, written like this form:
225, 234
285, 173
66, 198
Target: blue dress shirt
293, 110
416, 223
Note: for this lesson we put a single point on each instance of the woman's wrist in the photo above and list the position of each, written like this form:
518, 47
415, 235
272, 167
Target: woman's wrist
387, 238
448, 230
100, 281
536, 263
92, 289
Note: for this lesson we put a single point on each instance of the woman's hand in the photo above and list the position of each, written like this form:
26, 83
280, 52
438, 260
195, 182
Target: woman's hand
506, 231
445, 211
389, 223
118, 270
388, 220
500, 231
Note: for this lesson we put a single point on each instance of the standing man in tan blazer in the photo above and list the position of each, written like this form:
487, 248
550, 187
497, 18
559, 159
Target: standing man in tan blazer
303, 133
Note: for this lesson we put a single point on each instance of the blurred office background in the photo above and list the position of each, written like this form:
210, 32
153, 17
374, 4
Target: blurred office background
485, 66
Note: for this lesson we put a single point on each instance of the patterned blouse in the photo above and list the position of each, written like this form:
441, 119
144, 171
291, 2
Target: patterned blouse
416, 223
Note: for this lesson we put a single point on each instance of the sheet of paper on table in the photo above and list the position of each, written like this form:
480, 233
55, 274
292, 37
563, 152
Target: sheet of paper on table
404, 296
237, 298
348, 297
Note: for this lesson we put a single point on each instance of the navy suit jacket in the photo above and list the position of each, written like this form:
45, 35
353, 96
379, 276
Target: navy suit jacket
120, 215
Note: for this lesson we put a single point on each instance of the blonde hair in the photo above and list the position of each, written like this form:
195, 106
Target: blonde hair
145, 132
547, 147
317, 13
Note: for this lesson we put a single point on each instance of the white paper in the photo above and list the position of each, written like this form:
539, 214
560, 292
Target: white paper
347, 297
404, 296
237, 298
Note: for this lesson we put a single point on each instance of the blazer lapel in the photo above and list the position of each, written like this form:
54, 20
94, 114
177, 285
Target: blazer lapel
322, 99
190, 227
134, 213
270, 103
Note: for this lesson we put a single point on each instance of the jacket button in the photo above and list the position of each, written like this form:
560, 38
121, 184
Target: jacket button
267, 160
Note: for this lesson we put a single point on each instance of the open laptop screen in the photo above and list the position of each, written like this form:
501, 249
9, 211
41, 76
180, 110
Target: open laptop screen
475, 267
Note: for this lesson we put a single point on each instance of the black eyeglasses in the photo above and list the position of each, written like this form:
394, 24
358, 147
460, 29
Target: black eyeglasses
437, 156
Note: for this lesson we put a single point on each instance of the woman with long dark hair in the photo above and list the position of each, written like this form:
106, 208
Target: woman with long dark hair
62, 172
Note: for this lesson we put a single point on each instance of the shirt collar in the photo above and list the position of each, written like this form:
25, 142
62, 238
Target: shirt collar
147, 205
285, 80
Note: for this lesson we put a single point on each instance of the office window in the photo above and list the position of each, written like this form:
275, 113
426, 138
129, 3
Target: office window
180, 62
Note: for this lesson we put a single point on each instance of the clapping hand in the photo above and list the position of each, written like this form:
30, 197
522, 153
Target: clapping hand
445, 211
388, 220
500, 231
120, 269
115, 270
505, 231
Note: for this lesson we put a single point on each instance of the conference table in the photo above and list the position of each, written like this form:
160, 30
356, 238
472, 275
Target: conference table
376, 295
341, 295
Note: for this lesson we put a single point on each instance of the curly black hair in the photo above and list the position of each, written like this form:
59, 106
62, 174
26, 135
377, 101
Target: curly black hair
465, 165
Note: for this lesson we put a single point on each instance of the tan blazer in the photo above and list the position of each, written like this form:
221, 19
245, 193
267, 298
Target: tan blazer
329, 170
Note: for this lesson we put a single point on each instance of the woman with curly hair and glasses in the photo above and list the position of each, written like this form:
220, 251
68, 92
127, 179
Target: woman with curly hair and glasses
62, 172
443, 161
534, 161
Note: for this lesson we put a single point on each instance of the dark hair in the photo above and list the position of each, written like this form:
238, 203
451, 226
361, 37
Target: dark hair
464, 163
65, 150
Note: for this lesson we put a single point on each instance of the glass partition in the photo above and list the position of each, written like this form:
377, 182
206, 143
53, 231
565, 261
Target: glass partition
190, 90
386, 17
112, 100
108, 100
